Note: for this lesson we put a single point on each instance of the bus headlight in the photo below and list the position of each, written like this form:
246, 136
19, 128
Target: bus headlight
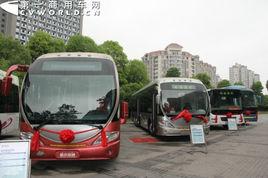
165, 122
111, 136
26, 135
168, 124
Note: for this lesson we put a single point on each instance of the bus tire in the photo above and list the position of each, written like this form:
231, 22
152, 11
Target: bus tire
151, 128
225, 127
137, 122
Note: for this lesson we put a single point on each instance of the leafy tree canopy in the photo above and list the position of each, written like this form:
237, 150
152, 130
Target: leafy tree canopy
114, 49
257, 88
40, 43
79, 43
58, 45
204, 78
223, 83
127, 90
238, 83
136, 72
13, 52
173, 72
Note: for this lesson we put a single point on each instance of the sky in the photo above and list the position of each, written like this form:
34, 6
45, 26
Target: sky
221, 32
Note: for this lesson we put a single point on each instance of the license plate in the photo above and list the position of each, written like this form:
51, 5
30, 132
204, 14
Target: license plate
67, 154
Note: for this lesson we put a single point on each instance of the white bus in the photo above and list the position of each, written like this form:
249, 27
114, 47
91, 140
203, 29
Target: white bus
9, 107
168, 106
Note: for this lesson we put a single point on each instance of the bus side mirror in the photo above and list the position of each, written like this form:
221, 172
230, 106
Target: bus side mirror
6, 85
123, 112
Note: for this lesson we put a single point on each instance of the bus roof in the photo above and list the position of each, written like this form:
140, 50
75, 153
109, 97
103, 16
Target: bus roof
15, 79
176, 79
76, 54
167, 80
238, 87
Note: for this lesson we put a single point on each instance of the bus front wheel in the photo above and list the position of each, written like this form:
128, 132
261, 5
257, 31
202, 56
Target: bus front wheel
151, 128
137, 121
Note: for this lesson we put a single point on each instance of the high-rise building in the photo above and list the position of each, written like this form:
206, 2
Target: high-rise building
158, 63
240, 73
56, 17
7, 22
257, 78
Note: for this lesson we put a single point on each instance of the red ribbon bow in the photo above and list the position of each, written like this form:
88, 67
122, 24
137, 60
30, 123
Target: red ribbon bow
185, 114
248, 112
229, 115
203, 118
66, 136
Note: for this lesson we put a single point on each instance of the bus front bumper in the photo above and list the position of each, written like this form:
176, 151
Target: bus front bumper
84, 153
167, 131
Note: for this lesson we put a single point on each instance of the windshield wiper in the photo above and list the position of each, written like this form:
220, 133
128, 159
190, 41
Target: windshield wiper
83, 122
58, 117
55, 117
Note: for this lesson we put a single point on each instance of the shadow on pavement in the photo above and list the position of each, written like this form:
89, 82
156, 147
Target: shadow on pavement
71, 167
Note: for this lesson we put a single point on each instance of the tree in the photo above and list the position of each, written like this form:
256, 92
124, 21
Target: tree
204, 78
223, 83
267, 84
116, 51
128, 89
12, 52
136, 72
58, 45
136, 76
4, 64
40, 43
265, 100
257, 88
238, 83
79, 43
173, 72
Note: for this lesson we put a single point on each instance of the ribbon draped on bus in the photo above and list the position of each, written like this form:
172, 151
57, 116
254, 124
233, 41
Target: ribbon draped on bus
187, 116
66, 136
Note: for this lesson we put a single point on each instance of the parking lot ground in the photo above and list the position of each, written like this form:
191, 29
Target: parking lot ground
243, 154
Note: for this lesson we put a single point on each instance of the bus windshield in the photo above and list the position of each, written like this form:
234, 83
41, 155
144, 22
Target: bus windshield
225, 100
62, 91
181, 95
248, 99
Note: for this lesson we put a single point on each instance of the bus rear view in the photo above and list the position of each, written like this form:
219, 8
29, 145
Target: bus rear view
70, 107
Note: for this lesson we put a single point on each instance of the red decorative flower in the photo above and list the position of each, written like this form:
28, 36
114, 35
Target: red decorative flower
67, 136
229, 115
247, 112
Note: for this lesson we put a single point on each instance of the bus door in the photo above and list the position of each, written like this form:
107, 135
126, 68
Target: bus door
250, 109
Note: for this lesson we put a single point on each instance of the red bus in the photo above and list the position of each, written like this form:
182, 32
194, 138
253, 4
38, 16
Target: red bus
69, 107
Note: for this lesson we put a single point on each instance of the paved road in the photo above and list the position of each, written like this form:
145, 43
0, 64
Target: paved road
242, 155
